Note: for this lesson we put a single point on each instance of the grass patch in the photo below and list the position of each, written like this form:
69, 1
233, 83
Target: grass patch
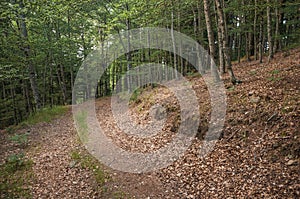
82, 127
119, 195
15, 174
274, 79
46, 115
135, 95
20, 139
253, 72
86, 161
275, 72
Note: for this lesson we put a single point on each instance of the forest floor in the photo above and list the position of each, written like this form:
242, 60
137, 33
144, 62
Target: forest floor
258, 155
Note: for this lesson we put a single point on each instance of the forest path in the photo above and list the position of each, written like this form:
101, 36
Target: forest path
258, 155
63, 168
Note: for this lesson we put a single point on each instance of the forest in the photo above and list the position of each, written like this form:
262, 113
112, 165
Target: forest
44, 43
212, 90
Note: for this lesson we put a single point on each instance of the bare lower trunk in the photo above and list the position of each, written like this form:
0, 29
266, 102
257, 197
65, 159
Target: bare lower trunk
174, 46
269, 21
260, 45
210, 41
276, 40
225, 42
254, 31
220, 44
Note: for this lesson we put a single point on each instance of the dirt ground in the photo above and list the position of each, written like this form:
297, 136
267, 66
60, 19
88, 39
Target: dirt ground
257, 156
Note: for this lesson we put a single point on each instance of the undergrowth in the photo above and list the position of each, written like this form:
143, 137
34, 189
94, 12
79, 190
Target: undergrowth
46, 115
86, 161
15, 175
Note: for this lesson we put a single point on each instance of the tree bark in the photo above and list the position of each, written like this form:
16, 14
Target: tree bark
278, 19
220, 45
254, 30
27, 51
210, 41
269, 27
210, 34
225, 42
174, 46
260, 45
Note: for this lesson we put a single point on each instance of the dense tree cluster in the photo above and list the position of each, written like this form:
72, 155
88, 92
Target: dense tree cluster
43, 43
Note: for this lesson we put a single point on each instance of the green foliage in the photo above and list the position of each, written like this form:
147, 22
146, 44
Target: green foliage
86, 161
15, 175
119, 195
274, 79
82, 126
62, 34
15, 162
275, 72
10, 129
46, 115
20, 139
253, 72
135, 95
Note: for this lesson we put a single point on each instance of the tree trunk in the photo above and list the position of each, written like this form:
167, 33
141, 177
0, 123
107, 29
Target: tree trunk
197, 33
269, 27
276, 40
27, 51
210, 41
225, 42
174, 46
128, 55
239, 47
221, 54
210, 34
260, 45
254, 30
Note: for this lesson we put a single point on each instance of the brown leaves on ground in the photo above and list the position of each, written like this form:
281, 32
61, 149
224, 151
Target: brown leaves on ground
257, 156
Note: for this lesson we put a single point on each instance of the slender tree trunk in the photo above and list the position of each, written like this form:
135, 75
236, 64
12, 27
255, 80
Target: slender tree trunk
71, 64
180, 61
197, 33
225, 42
269, 27
276, 40
210, 34
13, 96
27, 51
239, 47
128, 55
254, 30
174, 46
220, 44
260, 45
210, 41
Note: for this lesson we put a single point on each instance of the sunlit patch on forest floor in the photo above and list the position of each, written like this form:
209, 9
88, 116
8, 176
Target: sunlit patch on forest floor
257, 155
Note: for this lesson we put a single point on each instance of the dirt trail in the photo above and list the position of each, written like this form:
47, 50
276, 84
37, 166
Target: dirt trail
257, 157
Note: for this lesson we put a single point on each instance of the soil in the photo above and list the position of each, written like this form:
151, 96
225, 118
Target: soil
257, 155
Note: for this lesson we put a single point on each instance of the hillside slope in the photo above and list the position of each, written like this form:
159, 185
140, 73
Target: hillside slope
258, 155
